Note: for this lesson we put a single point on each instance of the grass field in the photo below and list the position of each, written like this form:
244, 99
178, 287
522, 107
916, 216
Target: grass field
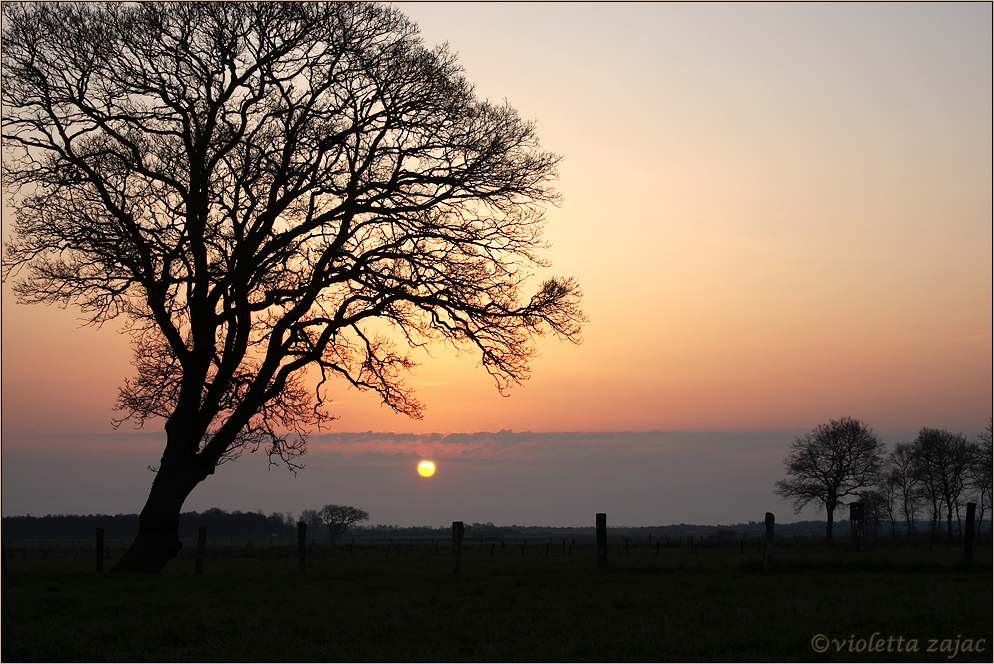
405, 604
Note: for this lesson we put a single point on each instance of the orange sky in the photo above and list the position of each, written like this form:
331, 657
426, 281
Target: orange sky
778, 214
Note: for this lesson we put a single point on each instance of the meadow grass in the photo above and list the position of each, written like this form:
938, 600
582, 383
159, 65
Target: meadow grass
715, 605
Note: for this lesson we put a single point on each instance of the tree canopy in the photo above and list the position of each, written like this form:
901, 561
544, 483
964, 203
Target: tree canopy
338, 518
258, 189
837, 459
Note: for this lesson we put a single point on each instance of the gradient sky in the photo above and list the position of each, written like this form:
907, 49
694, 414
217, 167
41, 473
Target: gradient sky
780, 214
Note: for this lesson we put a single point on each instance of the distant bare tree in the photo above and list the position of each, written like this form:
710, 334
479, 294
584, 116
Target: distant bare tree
889, 493
876, 507
338, 518
902, 479
835, 460
313, 520
289, 521
260, 190
980, 473
941, 461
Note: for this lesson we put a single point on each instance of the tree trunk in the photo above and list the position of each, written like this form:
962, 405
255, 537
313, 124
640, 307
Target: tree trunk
158, 540
828, 526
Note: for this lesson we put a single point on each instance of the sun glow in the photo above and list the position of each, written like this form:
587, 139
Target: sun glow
426, 469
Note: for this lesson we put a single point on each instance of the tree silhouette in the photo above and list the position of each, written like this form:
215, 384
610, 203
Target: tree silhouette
942, 461
338, 518
835, 460
981, 471
312, 519
259, 189
903, 480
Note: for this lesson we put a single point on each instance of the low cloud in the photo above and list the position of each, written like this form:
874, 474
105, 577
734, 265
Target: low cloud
527, 445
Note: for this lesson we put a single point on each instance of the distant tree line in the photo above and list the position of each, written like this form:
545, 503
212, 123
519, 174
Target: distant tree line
380, 530
931, 478
333, 519
256, 525
220, 524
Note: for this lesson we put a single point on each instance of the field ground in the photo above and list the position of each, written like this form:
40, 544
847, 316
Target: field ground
401, 601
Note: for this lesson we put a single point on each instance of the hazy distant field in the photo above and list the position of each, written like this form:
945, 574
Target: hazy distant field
252, 605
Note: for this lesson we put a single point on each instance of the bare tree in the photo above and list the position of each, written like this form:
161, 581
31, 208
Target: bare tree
338, 518
288, 521
889, 493
876, 507
901, 476
925, 461
942, 460
259, 190
312, 518
980, 473
835, 460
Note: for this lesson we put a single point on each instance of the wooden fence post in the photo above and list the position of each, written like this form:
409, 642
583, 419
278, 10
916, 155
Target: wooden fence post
768, 549
601, 539
458, 530
971, 514
201, 545
100, 549
301, 544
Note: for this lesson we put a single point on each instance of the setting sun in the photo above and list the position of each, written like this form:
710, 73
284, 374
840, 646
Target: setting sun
426, 469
